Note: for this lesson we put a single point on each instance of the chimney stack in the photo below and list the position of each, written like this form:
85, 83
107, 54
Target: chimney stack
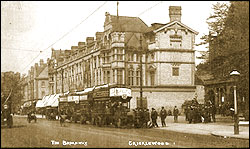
74, 48
41, 62
175, 13
98, 35
89, 40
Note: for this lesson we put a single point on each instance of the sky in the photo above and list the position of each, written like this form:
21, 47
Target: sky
30, 29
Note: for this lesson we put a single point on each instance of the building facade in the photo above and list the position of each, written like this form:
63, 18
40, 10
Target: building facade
36, 83
114, 57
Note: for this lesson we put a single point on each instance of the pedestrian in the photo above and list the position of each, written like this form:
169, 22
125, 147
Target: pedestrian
213, 112
175, 112
154, 115
163, 115
147, 117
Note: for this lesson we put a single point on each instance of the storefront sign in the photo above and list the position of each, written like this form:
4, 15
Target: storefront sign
63, 99
100, 94
70, 99
76, 99
83, 97
120, 92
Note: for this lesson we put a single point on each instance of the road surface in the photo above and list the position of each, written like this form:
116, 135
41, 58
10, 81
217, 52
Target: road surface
46, 133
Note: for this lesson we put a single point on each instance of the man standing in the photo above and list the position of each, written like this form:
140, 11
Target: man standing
213, 112
163, 115
147, 117
154, 115
175, 112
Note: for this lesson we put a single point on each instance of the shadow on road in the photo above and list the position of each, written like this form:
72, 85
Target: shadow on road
15, 126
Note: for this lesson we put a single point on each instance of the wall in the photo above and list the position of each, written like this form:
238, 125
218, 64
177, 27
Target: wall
157, 99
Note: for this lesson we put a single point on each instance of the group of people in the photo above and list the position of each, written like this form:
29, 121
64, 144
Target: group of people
163, 115
142, 118
197, 113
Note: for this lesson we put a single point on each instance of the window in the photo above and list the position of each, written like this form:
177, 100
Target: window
138, 57
43, 93
138, 72
104, 77
108, 76
129, 57
94, 62
119, 76
130, 77
152, 78
120, 54
175, 71
152, 57
43, 84
113, 75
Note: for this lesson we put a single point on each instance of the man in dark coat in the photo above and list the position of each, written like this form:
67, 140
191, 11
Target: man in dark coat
154, 115
163, 115
213, 112
175, 113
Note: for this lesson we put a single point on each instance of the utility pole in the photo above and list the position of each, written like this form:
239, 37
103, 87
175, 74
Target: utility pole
117, 8
141, 49
62, 82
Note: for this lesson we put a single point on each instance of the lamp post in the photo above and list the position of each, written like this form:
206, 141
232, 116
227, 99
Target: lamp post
235, 74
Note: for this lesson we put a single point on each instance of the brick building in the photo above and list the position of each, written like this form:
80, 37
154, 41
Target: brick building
35, 84
113, 57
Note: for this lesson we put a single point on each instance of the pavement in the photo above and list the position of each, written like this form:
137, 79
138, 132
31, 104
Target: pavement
223, 127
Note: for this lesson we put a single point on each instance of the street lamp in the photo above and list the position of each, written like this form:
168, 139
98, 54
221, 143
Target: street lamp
235, 74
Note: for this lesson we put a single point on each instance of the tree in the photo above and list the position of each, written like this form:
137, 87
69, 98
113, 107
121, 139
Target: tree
11, 81
229, 43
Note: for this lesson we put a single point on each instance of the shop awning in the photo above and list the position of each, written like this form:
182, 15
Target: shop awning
51, 100
46, 100
39, 104
56, 101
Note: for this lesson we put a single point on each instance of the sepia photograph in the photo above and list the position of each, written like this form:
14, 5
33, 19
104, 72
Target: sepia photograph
124, 74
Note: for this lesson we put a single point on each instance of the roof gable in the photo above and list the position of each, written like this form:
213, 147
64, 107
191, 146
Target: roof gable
132, 40
128, 24
175, 23
43, 72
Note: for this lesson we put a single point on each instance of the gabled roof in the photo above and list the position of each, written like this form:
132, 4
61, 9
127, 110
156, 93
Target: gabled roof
128, 24
171, 23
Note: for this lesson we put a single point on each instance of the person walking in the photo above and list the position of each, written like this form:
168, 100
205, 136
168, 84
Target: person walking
163, 115
175, 112
154, 115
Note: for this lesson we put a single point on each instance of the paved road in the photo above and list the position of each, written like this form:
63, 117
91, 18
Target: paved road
41, 134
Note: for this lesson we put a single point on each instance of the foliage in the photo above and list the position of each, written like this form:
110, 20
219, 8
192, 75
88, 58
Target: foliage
229, 43
11, 80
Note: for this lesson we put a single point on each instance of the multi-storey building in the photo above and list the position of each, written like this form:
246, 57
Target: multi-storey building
35, 84
113, 57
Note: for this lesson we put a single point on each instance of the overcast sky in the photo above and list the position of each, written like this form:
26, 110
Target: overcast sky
30, 27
